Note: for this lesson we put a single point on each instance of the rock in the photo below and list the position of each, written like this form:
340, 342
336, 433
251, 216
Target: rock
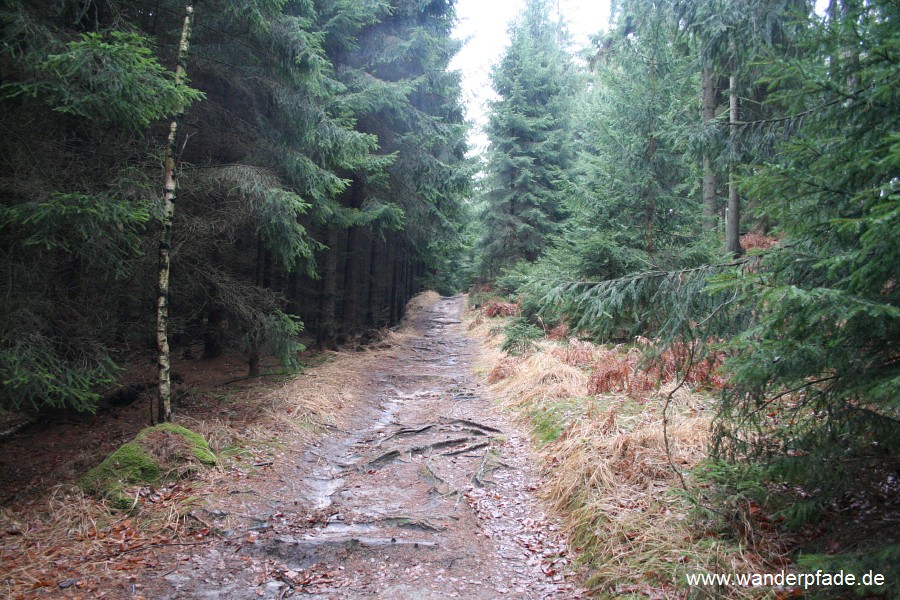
155, 452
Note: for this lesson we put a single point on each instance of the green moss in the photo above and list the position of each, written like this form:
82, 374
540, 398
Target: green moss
130, 463
199, 446
156, 453
550, 419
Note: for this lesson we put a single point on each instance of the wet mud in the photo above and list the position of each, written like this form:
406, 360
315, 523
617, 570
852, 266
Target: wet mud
427, 493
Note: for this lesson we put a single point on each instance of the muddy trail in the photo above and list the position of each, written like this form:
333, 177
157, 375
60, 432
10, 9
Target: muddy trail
426, 492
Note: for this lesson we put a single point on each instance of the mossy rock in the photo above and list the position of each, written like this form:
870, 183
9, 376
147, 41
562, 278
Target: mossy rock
159, 453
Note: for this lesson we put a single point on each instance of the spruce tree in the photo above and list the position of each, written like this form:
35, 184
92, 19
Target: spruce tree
632, 201
730, 40
816, 378
402, 221
531, 146
78, 191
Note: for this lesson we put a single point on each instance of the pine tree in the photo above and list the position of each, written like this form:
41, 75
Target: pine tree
816, 377
530, 137
395, 69
731, 39
77, 194
633, 204
284, 172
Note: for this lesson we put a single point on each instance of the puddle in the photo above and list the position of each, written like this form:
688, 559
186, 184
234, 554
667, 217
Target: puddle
331, 460
342, 528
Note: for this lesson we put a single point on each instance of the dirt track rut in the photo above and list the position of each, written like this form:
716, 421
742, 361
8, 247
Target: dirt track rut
428, 493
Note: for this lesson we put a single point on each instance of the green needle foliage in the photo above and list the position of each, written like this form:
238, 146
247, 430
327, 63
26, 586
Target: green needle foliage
530, 133
816, 378
809, 322
107, 78
320, 167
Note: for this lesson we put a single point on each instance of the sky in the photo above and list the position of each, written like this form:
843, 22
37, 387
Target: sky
483, 27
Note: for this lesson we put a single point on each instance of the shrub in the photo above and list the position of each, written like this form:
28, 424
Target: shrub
500, 309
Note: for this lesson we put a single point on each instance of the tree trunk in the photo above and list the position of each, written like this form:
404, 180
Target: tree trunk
707, 114
364, 271
164, 406
352, 266
253, 363
408, 289
372, 307
400, 287
395, 285
213, 344
326, 331
733, 218
650, 209
351, 281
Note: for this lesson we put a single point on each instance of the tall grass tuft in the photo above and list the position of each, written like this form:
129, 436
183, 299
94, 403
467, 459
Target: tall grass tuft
613, 468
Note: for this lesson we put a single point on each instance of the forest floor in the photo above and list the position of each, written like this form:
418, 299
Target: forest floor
417, 487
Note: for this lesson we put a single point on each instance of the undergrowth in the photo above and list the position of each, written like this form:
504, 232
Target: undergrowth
614, 464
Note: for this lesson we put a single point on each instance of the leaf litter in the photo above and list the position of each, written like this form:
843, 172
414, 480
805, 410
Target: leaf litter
386, 473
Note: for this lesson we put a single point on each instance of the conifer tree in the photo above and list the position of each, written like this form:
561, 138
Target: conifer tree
78, 185
632, 202
730, 41
284, 172
264, 159
530, 137
402, 221
816, 378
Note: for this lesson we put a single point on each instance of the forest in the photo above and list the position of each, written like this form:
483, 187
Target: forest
710, 191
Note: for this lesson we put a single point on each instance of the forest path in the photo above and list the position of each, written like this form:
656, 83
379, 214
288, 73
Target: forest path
426, 493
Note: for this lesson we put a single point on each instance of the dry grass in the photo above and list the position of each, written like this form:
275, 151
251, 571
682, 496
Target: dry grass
560, 332
609, 471
539, 378
576, 353
417, 304
504, 368
544, 374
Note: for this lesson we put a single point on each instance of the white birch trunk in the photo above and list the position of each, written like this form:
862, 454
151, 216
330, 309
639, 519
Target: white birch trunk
164, 408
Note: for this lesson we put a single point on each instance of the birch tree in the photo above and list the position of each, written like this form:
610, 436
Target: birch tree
164, 408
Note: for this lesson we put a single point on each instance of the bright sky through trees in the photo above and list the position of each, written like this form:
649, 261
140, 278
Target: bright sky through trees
483, 25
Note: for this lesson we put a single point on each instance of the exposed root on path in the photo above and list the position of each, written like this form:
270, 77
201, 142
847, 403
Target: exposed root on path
405, 498
69, 545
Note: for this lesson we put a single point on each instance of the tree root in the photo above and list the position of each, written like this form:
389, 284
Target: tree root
477, 476
407, 431
466, 449
395, 454
473, 424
